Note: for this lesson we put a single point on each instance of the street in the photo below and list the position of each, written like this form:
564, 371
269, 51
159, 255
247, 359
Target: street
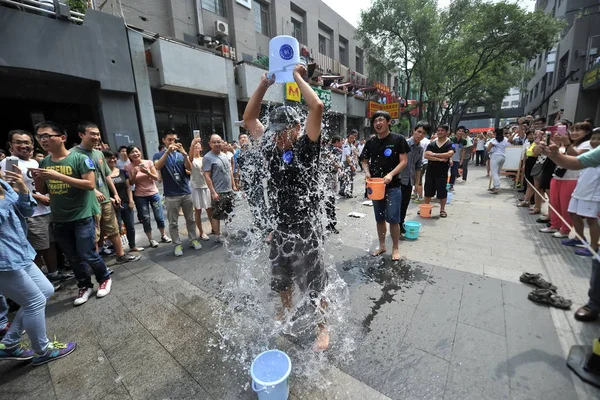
450, 321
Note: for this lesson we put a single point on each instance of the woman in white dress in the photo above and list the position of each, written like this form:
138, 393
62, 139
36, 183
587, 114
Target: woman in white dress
200, 191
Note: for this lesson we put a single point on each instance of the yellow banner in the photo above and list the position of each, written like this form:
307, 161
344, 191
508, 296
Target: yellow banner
292, 92
393, 109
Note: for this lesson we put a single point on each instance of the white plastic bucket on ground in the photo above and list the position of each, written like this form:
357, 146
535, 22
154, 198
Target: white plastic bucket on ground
270, 371
284, 55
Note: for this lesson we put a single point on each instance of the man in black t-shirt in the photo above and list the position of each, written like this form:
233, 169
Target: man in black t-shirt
385, 156
438, 153
293, 168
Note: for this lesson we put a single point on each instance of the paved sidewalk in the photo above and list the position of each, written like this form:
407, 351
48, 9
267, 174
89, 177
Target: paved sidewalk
451, 321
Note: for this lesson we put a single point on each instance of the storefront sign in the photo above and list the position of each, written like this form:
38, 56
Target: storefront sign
292, 92
381, 87
392, 108
591, 78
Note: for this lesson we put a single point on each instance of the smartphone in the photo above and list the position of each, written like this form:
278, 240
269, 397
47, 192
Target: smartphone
196, 133
10, 163
561, 130
548, 136
552, 129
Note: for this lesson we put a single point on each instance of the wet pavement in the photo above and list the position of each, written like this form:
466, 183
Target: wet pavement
449, 321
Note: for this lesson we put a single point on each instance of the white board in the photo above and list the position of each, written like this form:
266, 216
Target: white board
513, 158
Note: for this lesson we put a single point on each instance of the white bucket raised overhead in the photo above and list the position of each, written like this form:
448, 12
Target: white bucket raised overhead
284, 55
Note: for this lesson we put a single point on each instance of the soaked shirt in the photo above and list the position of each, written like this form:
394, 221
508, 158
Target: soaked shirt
294, 181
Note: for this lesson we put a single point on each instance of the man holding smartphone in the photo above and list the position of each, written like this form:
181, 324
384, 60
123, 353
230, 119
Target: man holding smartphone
20, 143
172, 164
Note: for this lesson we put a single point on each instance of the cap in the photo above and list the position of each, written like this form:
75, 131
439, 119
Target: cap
282, 118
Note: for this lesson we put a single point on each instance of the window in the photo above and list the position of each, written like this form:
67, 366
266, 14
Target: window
343, 51
359, 61
297, 30
562, 67
535, 92
323, 45
505, 104
514, 103
261, 18
215, 6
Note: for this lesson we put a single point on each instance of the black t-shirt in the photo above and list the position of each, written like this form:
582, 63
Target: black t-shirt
384, 155
439, 169
121, 185
294, 181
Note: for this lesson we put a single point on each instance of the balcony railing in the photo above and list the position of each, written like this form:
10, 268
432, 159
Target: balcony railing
51, 8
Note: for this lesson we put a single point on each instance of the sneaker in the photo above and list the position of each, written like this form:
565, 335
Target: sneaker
15, 353
195, 244
82, 296
54, 351
125, 258
218, 238
165, 239
137, 248
60, 277
153, 244
56, 286
105, 251
571, 242
178, 251
583, 252
204, 236
560, 235
549, 230
104, 288
4, 330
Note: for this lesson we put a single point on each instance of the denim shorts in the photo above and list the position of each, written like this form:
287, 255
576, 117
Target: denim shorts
388, 209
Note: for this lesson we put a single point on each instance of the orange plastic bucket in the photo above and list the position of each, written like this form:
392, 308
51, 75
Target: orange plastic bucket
425, 210
375, 188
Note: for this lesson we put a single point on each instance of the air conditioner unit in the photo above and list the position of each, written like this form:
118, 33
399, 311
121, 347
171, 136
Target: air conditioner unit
221, 28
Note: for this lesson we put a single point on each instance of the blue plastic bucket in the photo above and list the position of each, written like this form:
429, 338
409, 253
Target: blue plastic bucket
449, 198
284, 55
412, 229
270, 371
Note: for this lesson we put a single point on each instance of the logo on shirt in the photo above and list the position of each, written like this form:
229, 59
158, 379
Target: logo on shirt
287, 156
387, 152
89, 163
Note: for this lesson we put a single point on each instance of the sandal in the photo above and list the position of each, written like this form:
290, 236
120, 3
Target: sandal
545, 296
535, 211
537, 281
523, 204
443, 214
378, 252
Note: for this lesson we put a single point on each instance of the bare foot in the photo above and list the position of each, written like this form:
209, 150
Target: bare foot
322, 341
378, 251
395, 255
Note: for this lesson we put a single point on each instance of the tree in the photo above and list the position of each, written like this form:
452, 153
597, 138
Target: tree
469, 52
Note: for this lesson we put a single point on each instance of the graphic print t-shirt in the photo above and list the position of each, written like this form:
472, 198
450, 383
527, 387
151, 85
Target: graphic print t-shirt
67, 202
102, 170
384, 156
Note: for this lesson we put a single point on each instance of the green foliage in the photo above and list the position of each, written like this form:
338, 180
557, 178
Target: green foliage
472, 51
78, 5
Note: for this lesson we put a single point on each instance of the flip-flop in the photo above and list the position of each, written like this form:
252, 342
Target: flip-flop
546, 296
443, 214
378, 252
396, 259
537, 281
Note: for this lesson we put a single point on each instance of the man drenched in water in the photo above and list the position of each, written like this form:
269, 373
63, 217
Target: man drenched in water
294, 196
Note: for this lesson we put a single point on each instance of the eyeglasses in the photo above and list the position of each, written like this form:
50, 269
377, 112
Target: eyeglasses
20, 142
45, 136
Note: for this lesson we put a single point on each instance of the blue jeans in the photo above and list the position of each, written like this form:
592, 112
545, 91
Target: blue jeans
454, 172
388, 209
77, 239
3, 312
29, 288
143, 204
125, 215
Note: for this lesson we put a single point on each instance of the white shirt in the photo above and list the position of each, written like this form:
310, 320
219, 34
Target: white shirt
24, 166
499, 148
480, 144
197, 177
424, 143
588, 185
573, 175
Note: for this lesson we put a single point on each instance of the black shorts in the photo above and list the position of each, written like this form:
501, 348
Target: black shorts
295, 257
224, 206
435, 185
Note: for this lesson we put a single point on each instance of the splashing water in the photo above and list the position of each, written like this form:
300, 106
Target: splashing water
253, 319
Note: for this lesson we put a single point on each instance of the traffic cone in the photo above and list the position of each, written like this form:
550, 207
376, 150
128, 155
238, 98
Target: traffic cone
585, 362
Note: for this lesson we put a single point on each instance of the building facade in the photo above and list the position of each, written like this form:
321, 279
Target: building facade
137, 68
559, 81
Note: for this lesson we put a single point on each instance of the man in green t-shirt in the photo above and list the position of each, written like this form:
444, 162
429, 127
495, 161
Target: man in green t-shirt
70, 180
106, 220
